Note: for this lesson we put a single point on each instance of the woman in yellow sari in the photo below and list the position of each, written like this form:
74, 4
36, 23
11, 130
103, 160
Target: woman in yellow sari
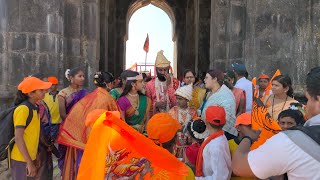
282, 96
74, 133
133, 104
198, 93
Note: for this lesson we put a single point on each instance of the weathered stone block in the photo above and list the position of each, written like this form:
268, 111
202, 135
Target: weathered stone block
220, 51
32, 43
73, 47
1, 43
72, 20
47, 43
268, 47
236, 50
19, 42
91, 20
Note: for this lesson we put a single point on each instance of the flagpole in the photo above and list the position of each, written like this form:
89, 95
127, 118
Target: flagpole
145, 62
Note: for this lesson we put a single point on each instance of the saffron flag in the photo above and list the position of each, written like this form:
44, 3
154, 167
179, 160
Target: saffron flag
277, 73
117, 151
262, 120
133, 67
146, 44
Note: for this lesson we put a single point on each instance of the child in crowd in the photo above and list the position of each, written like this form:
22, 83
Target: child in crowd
214, 161
242, 121
27, 134
197, 131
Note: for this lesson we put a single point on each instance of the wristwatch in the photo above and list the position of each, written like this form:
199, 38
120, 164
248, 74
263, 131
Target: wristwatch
248, 137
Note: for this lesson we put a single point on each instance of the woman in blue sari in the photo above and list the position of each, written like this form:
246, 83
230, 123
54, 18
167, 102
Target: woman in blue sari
67, 98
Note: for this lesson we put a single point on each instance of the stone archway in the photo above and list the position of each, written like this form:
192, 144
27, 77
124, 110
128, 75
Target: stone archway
168, 10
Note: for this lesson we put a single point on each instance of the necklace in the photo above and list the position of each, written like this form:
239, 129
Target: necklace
134, 103
183, 115
133, 95
273, 104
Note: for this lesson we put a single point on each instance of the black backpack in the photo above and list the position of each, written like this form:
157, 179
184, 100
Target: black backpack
7, 128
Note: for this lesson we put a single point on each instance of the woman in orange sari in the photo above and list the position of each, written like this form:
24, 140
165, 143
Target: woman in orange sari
74, 133
282, 96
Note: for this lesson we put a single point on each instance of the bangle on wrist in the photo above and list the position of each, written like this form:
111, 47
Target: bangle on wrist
247, 137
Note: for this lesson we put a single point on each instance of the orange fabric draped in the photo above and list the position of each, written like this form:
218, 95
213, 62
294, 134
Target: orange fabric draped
73, 131
261, 119
115, 150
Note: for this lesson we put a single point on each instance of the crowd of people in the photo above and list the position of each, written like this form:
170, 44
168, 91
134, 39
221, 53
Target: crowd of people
206, 122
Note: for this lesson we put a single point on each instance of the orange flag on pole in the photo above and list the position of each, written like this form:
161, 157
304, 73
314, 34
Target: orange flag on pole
115, 150
262, 120
146, 44
277, 73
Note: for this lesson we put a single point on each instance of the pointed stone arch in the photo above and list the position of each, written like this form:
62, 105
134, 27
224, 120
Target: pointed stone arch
163, 5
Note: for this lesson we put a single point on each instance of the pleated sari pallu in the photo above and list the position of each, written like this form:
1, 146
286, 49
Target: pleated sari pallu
135, 120
74, 134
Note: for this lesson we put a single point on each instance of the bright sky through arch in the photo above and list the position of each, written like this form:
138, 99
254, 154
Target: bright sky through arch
154, 21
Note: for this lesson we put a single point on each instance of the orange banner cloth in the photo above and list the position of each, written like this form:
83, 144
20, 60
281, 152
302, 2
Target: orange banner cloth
261, 119
115, 150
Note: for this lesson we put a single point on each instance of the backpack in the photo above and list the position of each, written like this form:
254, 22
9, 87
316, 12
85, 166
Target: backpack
307, 138
7, 128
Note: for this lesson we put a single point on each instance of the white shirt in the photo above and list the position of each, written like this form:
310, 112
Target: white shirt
246, 85
279, 155
216, 160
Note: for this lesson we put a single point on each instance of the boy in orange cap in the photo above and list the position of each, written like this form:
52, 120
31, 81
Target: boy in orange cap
27, 131
242, 121
263, 83
214, 161
52, 101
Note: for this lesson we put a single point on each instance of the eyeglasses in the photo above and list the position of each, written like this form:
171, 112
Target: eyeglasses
189, 77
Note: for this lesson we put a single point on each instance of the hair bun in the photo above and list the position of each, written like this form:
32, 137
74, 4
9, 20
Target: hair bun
67, 74
199, 126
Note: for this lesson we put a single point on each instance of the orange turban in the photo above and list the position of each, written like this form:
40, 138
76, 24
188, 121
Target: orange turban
244, 119
162, 127
264, 76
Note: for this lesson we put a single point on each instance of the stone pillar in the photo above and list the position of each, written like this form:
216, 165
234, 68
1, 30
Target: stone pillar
219, 48
236, 31
203, 32
82, 37
31, 41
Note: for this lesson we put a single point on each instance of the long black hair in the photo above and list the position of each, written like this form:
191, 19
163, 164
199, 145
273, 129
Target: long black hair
128, 85
101, 79
20, 97
286, 82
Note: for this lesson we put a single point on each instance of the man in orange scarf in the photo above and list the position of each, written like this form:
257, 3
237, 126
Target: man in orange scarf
214, 161
262, 91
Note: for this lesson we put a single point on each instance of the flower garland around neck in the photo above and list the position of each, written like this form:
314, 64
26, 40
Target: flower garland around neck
184, 115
